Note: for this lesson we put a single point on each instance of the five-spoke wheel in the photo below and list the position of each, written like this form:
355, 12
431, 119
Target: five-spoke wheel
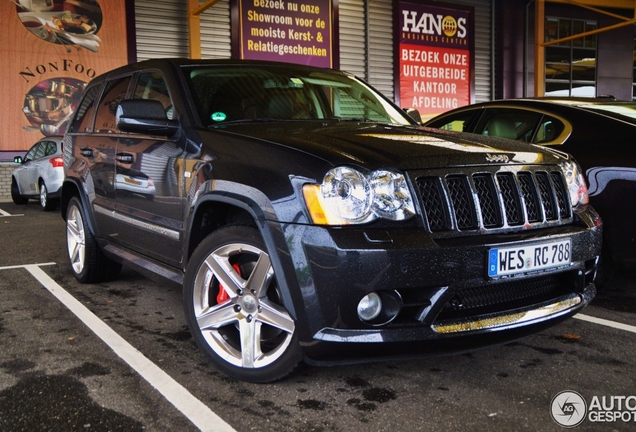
234, 307
88, 262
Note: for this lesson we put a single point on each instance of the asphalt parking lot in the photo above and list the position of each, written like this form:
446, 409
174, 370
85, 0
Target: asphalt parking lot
118, 357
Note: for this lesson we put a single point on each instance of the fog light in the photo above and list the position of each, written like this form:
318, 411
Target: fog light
369, 307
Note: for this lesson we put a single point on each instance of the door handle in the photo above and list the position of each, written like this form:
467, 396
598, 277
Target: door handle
126, 158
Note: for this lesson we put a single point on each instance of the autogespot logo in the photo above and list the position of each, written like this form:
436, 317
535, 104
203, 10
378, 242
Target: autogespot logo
568, 409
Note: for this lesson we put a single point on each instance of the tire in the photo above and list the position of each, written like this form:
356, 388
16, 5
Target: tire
88, 262
46, 203
606, 269
249, 335
15, 193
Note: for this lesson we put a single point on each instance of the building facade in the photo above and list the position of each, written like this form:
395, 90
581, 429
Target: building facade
381, 41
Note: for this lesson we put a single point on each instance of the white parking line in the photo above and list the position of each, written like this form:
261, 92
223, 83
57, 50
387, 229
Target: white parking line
6, 214
605, 322
191, 407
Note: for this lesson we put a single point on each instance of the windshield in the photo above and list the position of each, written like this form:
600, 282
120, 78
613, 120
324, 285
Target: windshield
225, 94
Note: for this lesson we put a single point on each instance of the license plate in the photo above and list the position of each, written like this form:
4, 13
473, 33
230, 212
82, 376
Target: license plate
513, 260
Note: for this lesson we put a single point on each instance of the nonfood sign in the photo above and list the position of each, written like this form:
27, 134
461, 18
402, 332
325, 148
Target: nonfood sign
434, 57
288, 31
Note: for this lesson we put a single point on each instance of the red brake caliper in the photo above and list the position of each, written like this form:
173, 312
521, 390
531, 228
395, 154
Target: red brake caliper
223, 296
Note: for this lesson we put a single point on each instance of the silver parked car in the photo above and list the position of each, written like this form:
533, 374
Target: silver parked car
40, 174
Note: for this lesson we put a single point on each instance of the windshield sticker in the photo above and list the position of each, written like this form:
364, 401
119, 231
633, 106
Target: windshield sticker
218, 116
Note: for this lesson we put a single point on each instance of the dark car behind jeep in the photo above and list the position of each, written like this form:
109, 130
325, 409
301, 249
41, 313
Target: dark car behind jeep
308, 218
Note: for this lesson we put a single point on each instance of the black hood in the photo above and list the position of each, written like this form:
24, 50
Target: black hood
375, 145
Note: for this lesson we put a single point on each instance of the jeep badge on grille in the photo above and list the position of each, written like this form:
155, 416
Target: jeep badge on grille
497, 158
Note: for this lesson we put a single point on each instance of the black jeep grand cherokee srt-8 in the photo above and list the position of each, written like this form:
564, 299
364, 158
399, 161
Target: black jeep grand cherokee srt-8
308, 218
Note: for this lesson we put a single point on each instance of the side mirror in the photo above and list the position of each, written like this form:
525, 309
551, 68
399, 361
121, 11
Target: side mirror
146, 117
17, 159
414, 114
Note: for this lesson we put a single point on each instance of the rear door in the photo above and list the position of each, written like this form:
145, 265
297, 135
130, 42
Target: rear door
95, 144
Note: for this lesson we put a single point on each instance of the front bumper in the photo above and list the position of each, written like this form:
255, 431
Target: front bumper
447, 302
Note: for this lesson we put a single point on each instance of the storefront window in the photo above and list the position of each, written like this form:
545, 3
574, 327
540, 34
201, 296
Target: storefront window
634, 79
570, 67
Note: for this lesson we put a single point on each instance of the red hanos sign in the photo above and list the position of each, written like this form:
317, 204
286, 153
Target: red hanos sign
435, 58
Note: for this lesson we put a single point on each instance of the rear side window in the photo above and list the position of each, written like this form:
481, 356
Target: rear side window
549, 129
40, 151
114, 93
51, 148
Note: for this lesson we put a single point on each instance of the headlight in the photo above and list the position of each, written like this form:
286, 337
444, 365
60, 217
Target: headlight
347, 196
576, 183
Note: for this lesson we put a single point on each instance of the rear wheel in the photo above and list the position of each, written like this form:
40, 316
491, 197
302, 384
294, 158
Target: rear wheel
234, 309
15, 193
88, 262
46, 202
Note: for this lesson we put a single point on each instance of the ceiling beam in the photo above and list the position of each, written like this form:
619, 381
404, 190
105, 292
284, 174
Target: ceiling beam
194, 25
593, 5
619, 4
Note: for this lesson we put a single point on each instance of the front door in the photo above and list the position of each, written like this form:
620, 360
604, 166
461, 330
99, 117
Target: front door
149, 185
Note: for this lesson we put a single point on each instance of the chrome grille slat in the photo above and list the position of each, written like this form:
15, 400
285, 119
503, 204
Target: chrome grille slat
511, 198
470, 201
562, 197
432, 198
547, 197
462, 201
488, 201
530, 196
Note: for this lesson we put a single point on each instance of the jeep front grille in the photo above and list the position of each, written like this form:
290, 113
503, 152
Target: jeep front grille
485, 200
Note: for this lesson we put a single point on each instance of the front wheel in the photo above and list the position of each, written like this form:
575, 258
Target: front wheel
234, 309
88, 262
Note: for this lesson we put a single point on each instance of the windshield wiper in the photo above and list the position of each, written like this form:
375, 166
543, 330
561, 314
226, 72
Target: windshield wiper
339, 119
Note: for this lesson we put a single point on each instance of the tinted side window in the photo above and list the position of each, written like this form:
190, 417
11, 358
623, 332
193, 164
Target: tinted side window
455, 122
114, 93
51, 148
549, 129
151, 85
40, 151
31, 153
85, 111
509, 123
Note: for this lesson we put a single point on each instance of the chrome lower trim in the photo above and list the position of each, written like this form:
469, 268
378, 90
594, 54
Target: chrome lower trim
171, 234
504, 321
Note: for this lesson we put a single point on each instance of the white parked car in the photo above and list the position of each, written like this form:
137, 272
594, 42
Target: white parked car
40, 174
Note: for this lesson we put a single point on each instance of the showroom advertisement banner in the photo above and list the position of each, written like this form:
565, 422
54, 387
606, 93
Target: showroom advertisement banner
286, 31
435, 46
54, 48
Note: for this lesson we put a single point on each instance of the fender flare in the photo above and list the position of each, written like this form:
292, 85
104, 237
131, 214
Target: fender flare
74, 184
266, 227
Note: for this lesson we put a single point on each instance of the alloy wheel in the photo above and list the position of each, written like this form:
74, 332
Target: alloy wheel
75, 239
237, 307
